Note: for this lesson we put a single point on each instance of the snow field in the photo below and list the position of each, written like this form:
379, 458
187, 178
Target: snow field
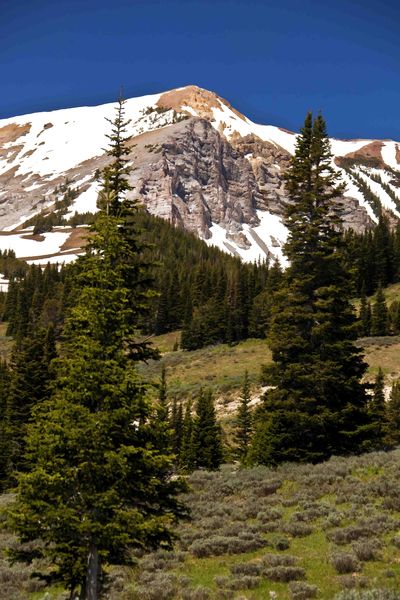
271, 231
27, 247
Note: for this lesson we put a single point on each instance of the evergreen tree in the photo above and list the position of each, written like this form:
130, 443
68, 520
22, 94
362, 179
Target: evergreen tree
364, 315
207, 441
100, 481
187, 456
384, 253
163, 395
5, 426
29, 384
393, 416
318, 405
380, 317
394, 317
176, 424
377, 413
244, 425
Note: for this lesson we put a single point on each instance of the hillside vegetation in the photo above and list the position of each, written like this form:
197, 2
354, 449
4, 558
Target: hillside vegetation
222, 367
291, 533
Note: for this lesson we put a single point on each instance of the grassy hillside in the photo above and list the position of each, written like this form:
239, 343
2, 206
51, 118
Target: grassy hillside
300, 531
392, 293
222, 367
219, 367
292, 533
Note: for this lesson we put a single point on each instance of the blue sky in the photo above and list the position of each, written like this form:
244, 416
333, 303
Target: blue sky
273, 60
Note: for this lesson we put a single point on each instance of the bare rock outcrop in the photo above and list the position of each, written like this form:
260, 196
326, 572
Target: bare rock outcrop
189, 174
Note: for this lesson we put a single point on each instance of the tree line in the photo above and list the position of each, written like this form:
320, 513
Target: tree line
198, 441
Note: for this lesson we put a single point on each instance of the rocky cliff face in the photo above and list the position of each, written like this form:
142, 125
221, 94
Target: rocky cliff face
196, 161
189, 174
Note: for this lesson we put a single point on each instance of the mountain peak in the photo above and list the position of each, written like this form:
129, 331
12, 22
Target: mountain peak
196, 161
194, 99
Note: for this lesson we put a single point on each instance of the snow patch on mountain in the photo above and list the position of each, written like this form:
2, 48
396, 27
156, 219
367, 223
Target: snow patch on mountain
377, 189
270, 231
353, 191
24, 246
61, 139
85, 202
388, 153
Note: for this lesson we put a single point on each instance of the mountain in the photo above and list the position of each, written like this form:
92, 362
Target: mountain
196, 161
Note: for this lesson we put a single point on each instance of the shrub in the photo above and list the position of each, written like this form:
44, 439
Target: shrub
156, 586
296, 529
299, 590
368, 595
345, 562
242, 582
367, 549
396, 541
391, 503
161, 560
334, 519
284, 574
270, 526
352, 581
346, 535
249, 568
281, 543
271, 514
273, 560
198, 593
217, 545
266, 488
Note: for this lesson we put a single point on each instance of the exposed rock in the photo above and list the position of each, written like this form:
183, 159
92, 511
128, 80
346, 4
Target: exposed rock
189, 174
370, 153
353, 215
202, 101
10, 133
268, 162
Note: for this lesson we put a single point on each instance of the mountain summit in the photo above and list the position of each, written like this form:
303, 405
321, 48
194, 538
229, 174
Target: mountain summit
197, 162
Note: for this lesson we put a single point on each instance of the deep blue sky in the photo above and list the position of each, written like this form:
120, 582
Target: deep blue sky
273, 60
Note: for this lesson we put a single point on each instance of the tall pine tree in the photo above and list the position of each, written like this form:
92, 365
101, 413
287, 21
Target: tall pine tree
101, 479
244, 423
317, 406
207, 441
380, 317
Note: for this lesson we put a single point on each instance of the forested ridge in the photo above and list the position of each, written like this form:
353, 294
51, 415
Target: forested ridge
211, 296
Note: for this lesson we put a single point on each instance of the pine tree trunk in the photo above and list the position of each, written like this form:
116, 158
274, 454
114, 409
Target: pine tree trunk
93, 574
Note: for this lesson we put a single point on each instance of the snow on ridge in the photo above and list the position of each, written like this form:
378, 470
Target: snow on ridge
55, 137
85, 202
353, 192
271, 232
388, 153
133, 105
54, 140
377, 189
51, 244
227, 121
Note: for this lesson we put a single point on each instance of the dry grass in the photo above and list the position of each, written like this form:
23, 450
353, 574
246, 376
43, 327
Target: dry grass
220, 368
382, 352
